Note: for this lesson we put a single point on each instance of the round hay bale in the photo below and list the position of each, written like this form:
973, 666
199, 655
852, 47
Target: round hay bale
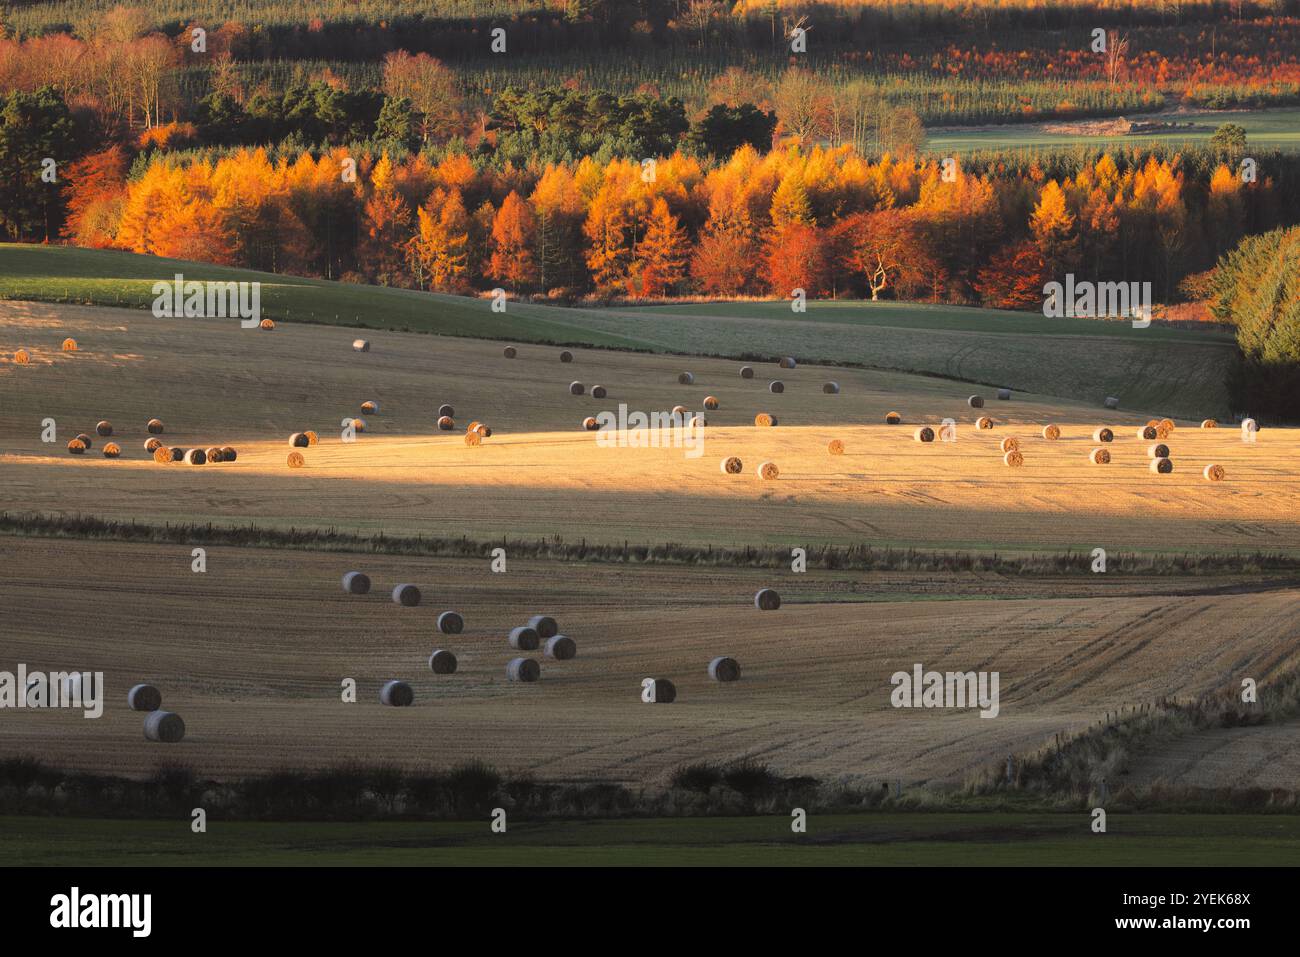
524, 638
76, 446
662, 691
69, 345
711, 403
295, 460
746, 372
831, 388
446, 411
162, 455
1147, 433
406, 595
767, 471
164, 726
298, 440
680, 411
598, 392
1099, 456
214, 454
776, 387
1167, 424
523, 669
566, 356
731, 465
196, 457
590, 423
356, 583
1210, 424
442, 662
451, 623
924, 434
724, 668
1111, 402
1051, 432
152, 445
561, 648
1158, 451
544, 625
229, 453
1249, 425
361, 345
1103, 434
112, 450
446, 423
369, 407
266, 325
765, 420
1162, 466
1004, 395
1010, 444
85, 440
312, 437
984, 423
1013, 459
976, 402
510, 352
766, 599
893, 418
1214, 473
576, 388
396, 694
473, 439
22, 357
104, 428
144, 698
835, 447
177, 453
685, 378
787, 362
154, 427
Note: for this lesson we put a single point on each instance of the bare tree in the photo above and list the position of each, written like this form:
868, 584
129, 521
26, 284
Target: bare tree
1116, 50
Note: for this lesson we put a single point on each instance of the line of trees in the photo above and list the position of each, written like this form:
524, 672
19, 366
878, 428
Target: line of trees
828, 221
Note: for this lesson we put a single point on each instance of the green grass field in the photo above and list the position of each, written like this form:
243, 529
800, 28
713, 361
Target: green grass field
1265, 129
1173, 371
895, 840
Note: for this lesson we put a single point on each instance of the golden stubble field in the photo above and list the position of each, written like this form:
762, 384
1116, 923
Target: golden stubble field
540, 476
252, 653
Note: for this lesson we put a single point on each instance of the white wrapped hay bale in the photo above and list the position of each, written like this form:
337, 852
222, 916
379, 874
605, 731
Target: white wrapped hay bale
144, 697
442, 662
561, 647
164, 726
524, 638
406, 594
396, 694
724, 668
356, 583
544, 625
523, 669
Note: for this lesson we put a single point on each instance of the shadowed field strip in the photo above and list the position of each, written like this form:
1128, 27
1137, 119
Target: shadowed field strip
252, 653
899, 840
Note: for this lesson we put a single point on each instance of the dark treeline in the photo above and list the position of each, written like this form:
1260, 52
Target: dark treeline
294, 32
